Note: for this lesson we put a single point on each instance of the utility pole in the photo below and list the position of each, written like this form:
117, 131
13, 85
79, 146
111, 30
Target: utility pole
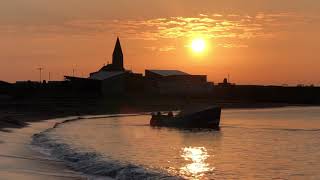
49, 76
40, 72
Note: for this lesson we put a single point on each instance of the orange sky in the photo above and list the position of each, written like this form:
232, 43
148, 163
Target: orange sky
256, 42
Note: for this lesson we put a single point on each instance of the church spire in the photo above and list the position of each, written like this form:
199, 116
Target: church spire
117, 56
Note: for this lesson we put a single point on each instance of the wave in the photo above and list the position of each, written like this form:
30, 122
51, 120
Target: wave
92, 163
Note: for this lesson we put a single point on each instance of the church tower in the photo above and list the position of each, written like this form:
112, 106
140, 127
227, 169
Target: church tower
117, 57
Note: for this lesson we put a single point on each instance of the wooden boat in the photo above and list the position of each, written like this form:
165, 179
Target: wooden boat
206, 118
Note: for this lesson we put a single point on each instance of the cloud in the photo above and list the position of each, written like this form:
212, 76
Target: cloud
152, 48
167, 48
161, 49
230, 45
215, 26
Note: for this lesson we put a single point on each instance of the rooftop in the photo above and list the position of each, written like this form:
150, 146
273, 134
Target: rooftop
102, 75
4, 83
168, 72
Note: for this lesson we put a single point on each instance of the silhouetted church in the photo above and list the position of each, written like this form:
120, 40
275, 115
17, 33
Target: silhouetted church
115, 79
110, 70
117, 59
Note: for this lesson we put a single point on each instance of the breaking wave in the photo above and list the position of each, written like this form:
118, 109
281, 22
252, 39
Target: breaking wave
92, 163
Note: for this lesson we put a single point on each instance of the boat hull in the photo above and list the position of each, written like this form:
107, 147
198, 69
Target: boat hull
208, 118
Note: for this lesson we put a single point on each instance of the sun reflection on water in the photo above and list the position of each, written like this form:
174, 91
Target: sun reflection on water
197, 168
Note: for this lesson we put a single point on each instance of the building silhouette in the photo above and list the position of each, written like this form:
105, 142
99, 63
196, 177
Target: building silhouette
176, 82
117, 59
115, 79
226, 83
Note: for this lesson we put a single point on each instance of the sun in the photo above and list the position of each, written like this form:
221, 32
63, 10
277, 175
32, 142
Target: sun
198, 45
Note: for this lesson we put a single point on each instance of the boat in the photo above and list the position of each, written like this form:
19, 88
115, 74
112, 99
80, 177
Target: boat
208, 118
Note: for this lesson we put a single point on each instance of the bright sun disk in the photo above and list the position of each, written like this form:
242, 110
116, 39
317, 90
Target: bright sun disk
198, 45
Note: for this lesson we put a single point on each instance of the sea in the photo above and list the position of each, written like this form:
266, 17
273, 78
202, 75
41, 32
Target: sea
271, 143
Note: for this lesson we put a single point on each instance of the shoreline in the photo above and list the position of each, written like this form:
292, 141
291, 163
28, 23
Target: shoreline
20, 160
15, 118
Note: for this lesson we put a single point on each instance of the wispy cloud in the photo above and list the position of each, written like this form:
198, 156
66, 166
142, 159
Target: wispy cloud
161, 49
215, 26
232, 45
167, 48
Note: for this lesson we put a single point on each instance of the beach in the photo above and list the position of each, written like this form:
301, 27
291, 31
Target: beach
19, 160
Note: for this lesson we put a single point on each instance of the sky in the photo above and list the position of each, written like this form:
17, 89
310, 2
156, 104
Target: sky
269, 42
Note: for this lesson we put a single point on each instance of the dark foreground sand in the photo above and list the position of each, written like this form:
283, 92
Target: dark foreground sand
20, 160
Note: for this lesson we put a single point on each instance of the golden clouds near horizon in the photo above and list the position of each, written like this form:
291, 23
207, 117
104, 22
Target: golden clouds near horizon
227, 30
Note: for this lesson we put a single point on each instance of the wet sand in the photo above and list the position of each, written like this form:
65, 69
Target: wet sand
19, 160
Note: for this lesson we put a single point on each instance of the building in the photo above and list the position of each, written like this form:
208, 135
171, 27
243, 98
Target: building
117, 61
176, 82
226, 83
4, 87
115, 79
112, 78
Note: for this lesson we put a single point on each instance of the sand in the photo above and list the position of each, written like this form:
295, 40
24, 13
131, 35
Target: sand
20, 160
